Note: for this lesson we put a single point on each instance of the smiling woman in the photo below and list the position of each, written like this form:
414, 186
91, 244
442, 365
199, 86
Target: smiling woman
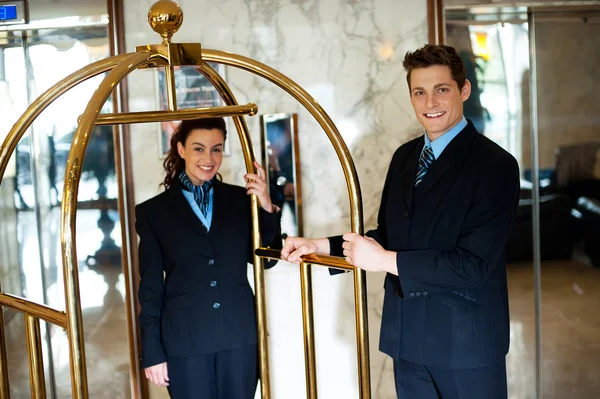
203, 154
196, 147
197, 318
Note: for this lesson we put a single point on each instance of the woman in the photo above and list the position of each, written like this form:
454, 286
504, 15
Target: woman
197, 320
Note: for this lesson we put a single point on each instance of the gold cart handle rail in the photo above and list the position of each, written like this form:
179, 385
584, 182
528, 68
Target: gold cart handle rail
37, 310
335, 262
187, 114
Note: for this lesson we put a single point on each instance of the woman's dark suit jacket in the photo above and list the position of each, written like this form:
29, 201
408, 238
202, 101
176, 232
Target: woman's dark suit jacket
194, 292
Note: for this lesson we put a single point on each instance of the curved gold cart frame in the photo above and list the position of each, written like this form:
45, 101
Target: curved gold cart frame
165, 17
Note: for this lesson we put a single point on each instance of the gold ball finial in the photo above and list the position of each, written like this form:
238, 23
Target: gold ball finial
165, 18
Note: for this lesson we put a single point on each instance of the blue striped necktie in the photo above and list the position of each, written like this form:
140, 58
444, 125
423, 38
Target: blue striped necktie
201, 193
425, 162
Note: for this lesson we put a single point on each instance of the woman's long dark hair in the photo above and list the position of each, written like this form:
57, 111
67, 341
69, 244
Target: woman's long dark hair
174, 164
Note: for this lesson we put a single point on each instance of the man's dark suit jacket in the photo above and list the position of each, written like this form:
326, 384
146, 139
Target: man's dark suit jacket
448, 306
194, 291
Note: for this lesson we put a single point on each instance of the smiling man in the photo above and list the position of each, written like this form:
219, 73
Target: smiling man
447, 207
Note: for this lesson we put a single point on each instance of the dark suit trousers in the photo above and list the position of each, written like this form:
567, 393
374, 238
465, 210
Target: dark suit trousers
415, 381
229, 374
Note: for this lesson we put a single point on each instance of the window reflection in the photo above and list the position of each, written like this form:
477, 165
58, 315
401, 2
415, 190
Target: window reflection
30, 196
495, 56
495, 44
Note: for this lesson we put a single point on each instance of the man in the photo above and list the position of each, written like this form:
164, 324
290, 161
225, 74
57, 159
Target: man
447, 207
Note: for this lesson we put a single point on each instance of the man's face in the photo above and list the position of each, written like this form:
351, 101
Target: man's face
436, 99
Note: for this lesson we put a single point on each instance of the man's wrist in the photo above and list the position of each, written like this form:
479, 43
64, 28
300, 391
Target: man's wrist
322, 245
390, 263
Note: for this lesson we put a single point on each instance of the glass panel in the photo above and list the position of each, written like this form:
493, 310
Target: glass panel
12, 190
31, 193
568, 104
494, 45
12, 200
16, 348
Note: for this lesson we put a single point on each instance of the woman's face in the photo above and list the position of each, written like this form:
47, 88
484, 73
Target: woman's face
202, 153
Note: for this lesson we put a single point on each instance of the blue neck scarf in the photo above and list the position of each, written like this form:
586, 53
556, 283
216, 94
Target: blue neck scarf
201, 193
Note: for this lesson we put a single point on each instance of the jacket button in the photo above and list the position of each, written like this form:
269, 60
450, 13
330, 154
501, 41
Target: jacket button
216, 305
424, 292
213, 283
406, 214
412, 294
211, 262
418, 294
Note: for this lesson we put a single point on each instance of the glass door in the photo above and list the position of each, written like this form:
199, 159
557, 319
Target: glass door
535, 78
567, 108
23, 270
32, 60
496, 56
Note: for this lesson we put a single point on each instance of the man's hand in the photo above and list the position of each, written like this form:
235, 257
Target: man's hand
295, 247
367, 254
158, 374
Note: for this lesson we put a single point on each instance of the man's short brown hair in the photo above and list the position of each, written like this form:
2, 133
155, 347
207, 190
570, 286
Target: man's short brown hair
436, 54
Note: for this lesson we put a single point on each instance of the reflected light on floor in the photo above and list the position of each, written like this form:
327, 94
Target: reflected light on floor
60, 352
120, 286
92, 292
32, 276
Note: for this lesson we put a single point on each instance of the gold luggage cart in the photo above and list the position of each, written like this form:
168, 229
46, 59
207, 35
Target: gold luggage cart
165, 17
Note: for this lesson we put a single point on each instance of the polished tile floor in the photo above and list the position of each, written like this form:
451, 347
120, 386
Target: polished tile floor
570, 318
570, 321
102, 290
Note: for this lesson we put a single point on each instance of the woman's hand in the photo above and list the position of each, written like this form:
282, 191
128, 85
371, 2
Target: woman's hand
256, 184
296, 247
158, 374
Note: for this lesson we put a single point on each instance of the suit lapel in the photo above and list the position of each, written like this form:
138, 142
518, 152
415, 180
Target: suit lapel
410, 171
435, 172
220, 200
453, 154
184, 210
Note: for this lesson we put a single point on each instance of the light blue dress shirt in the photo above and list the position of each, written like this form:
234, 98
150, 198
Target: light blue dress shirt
189, 196
439, 144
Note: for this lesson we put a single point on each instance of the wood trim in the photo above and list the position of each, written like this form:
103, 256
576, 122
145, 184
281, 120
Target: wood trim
431, 24
435, 22
116, 26
441, 25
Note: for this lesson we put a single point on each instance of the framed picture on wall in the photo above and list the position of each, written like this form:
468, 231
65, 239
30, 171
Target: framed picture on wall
281, 157
193, 91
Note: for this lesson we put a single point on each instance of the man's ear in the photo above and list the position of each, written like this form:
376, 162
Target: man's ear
465, 92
